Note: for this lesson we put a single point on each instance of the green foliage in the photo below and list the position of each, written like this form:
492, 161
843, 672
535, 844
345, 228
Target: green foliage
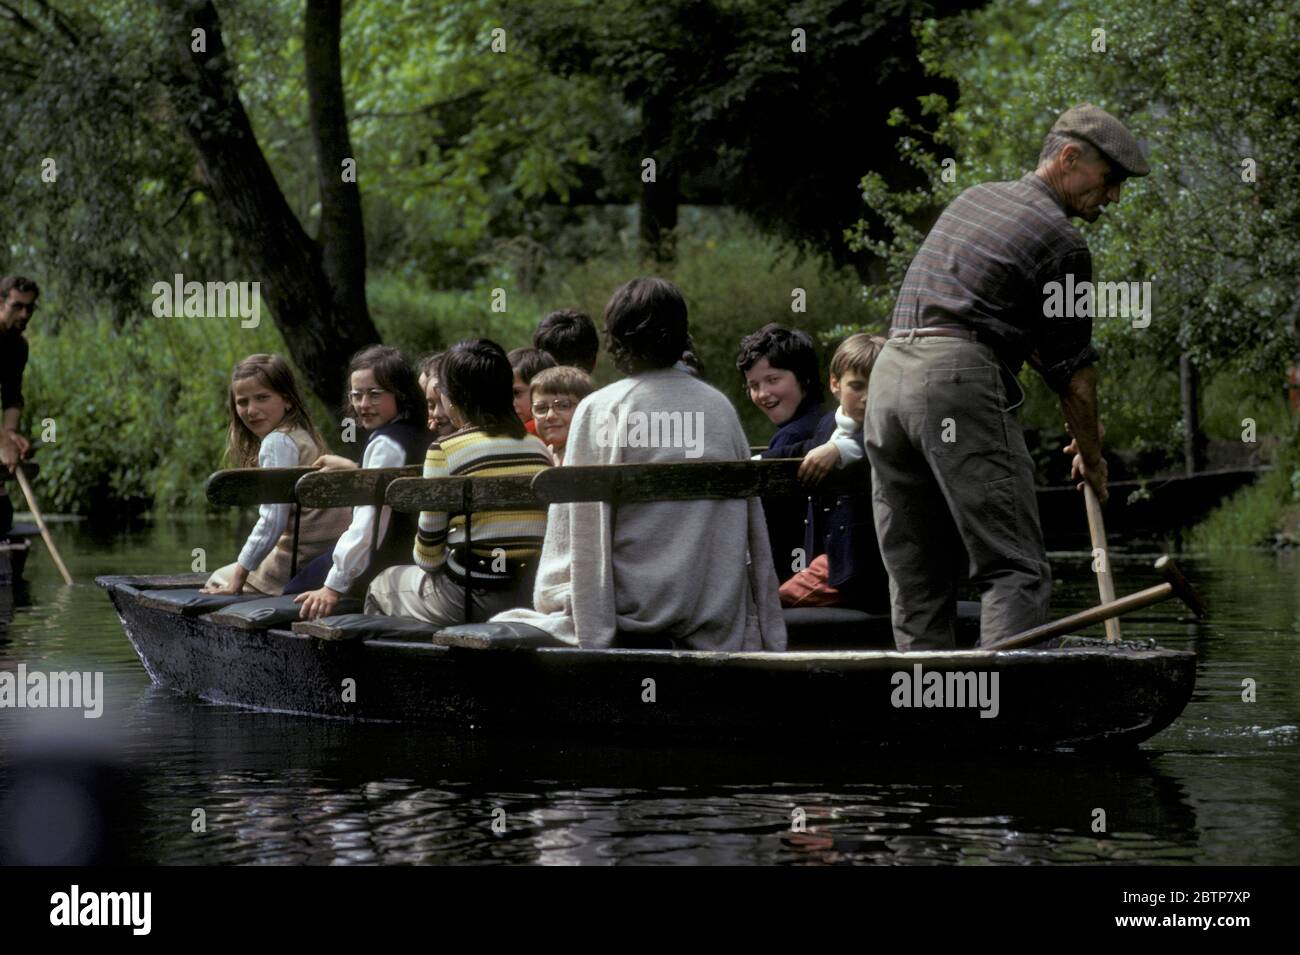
138, 423
1265, 514
734, 283
1208, 86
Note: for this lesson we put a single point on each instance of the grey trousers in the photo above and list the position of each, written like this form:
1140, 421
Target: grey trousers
407, 591
952, 480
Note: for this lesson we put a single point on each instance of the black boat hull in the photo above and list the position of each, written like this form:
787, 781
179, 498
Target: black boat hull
1044, 698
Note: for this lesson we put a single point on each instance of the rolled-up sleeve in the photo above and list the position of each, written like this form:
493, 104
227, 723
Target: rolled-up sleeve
1065, 344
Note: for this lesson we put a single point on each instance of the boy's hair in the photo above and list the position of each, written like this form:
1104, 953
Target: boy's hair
428, 364
19, 282
477, 379
274, 373
562, 380
570, 337
392, 373
528, 361
857, 353
646, 325
788, 349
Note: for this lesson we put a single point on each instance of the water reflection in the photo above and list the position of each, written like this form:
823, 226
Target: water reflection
1220, 786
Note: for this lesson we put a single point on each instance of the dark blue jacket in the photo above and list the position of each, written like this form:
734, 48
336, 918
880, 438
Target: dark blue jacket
842, 527
785, 514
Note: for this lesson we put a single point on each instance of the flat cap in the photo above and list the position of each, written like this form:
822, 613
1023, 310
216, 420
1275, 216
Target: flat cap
1094, 125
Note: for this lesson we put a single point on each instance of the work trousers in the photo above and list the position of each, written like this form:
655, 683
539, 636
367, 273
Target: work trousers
953, 480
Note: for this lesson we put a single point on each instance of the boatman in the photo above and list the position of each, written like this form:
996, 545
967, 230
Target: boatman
17, 304
951, 472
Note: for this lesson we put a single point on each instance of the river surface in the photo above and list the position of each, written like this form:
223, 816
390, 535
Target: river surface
164, 779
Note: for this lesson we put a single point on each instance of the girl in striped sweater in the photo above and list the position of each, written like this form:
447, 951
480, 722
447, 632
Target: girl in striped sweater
490, 440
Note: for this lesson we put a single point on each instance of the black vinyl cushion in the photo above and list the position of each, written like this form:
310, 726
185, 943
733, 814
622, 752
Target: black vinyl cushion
191, 603
369, 626
263, 613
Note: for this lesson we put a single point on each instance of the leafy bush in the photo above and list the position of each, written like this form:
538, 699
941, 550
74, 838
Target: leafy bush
137, 414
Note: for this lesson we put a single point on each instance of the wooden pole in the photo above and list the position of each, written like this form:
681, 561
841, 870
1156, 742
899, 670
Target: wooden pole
40, 523
1175, 585
1105, 579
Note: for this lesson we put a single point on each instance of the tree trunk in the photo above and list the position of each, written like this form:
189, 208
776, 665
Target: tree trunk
1189, 381
342, 235
315, 292
659, 199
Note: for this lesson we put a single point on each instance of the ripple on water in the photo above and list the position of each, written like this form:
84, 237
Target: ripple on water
1219, 786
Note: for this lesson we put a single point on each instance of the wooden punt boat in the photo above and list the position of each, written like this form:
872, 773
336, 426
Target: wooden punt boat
1071, 696
1148, 508
14, 549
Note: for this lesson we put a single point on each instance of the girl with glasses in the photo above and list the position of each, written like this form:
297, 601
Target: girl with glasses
384, 398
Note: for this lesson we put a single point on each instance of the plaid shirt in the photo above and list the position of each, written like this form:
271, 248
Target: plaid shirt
984, 266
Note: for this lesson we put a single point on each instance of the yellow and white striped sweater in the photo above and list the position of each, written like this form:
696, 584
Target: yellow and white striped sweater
473, 452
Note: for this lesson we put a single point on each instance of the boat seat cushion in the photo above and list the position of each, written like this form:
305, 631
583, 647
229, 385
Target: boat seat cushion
264, 613
189, 602
366, 626
497, 635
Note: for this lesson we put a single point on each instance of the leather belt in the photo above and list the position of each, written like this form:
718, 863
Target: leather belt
935, 331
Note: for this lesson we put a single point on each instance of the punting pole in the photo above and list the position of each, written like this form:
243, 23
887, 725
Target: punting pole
1175, 585
1105, 579
40, 523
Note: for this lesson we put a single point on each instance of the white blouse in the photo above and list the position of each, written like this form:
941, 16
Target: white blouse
277, 450
352, 552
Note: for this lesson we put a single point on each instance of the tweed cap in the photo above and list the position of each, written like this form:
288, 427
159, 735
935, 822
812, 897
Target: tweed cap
1094, 125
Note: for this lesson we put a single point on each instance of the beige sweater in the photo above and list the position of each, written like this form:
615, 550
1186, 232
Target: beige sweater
680, 569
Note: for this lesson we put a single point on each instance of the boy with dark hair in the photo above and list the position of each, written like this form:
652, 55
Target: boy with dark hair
570, 337
840, 533
527, 363
691, 574
784, 381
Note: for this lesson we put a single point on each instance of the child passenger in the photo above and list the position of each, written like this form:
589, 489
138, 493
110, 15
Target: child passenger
385, 397
556, 393
783, 379
527, 363
270, 428
569, 336
840, 534
489, 441
696, 574
435, 404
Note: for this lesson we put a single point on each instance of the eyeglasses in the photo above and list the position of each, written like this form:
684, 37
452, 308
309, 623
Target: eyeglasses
374, 394
562, 405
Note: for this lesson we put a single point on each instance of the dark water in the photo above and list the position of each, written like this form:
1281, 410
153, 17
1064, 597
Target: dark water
1222, 785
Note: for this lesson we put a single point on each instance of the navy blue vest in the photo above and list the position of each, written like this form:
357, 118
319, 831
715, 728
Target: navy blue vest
399, 540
